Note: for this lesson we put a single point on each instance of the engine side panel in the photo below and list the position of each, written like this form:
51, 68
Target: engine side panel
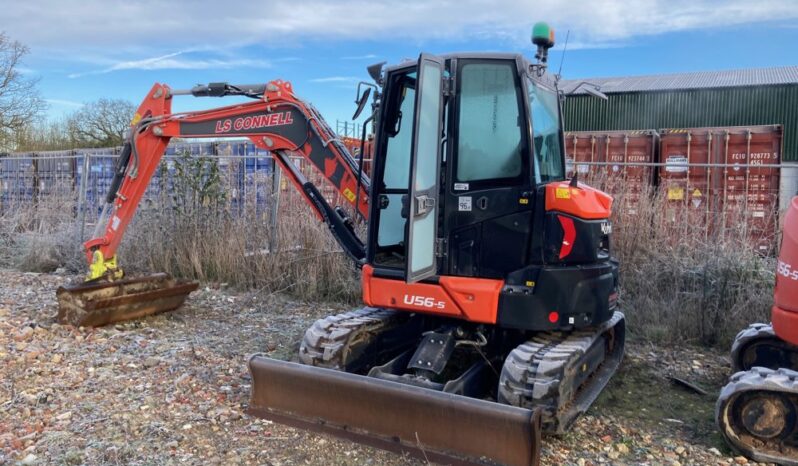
785, 309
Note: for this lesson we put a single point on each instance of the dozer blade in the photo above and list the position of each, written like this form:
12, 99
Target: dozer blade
432, 425
94, 304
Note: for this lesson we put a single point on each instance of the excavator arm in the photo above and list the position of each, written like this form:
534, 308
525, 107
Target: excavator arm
277, 121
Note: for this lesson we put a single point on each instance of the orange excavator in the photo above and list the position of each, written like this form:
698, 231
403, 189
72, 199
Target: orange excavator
491, 297
757, 411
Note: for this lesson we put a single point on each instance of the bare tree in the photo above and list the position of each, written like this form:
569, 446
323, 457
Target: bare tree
43, 134
101, 123
20, 102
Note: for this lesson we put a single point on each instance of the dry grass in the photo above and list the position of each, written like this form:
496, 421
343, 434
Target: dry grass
679, 283
40, 237
218, 246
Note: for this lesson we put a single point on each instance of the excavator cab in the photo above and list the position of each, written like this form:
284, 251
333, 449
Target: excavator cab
468, 191
461, 127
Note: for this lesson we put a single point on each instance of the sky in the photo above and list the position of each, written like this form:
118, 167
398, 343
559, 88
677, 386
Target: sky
84, 50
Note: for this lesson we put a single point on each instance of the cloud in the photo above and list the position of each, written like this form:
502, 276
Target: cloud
368, 56
64, 103
285, 23
170, 61
336, 79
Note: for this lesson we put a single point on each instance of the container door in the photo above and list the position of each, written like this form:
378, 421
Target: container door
424, 171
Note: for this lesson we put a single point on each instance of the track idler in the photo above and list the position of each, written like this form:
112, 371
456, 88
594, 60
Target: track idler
757, 413
92, 304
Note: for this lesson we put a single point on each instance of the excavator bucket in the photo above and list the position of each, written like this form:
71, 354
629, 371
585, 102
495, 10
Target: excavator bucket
432, 425
93, 304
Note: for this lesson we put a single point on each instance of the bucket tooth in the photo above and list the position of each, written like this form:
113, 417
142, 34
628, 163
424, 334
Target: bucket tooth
94, 304
428, 424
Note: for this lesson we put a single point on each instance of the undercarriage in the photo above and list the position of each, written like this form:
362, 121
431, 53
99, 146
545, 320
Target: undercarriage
758, 409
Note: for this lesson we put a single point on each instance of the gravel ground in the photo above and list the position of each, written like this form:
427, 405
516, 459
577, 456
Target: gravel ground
172, 389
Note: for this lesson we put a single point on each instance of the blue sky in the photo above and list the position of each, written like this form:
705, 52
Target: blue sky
84, 50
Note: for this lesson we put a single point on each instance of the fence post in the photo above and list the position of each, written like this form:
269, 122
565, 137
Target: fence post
84, 186
274, 206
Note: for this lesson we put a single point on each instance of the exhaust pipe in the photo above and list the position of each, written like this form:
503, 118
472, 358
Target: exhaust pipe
428, 424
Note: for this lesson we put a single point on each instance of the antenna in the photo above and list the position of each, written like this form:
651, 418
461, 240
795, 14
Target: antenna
562, 57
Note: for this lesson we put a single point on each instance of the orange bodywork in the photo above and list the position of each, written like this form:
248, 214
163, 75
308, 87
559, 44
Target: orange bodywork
582, 202
785, 308
471, 299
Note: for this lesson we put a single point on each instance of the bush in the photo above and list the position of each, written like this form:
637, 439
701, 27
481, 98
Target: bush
680, 283
196, 232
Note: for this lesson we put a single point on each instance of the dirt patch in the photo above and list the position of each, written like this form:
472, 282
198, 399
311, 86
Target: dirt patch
172, 389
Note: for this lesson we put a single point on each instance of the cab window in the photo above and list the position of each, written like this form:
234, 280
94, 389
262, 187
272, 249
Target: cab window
546, 131
490, 141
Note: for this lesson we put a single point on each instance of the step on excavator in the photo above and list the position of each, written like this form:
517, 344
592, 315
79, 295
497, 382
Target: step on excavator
491, 298
757, 411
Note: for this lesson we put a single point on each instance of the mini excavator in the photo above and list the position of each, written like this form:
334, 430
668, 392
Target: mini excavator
491, 297
757, 411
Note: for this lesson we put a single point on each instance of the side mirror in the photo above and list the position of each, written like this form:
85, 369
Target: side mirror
361, 103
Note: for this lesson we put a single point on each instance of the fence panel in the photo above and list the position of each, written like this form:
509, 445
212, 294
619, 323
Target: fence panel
746, 201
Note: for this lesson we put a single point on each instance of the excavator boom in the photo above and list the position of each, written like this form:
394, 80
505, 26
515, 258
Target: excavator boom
277, 121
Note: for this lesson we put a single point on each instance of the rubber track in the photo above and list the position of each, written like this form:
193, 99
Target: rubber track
532, 374
327, 342
757, 379
744, 339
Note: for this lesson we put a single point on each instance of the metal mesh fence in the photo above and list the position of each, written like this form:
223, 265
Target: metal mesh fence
79, 180
718, 199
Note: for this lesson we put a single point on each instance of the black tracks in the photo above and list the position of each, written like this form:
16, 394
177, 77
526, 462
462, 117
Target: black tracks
547, 371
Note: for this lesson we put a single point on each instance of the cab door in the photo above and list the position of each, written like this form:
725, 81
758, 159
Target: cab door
423, 202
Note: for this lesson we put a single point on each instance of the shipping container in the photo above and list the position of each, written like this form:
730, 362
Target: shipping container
708, 183
606, 159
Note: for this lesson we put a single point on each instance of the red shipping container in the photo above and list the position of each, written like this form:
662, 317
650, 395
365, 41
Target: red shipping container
614, 151
719, 197
750, 195
684, 182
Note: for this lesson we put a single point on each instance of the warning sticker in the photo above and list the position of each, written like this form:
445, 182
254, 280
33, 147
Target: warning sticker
676, 194
562, 193
461, 186
464, 203
696, 193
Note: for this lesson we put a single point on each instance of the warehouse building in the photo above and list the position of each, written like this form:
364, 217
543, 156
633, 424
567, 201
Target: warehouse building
748, 97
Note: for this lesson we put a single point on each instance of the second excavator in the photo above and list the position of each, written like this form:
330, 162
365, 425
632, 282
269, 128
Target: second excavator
490, 290
757, 411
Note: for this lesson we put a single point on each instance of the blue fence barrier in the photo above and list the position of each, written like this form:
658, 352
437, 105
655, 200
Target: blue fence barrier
245, 172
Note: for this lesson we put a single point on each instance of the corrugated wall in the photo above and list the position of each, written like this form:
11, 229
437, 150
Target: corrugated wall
740, 106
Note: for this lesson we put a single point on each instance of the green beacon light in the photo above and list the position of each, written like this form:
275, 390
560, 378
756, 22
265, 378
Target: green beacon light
543, 37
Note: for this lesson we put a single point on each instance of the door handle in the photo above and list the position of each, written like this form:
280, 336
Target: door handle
423, 204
